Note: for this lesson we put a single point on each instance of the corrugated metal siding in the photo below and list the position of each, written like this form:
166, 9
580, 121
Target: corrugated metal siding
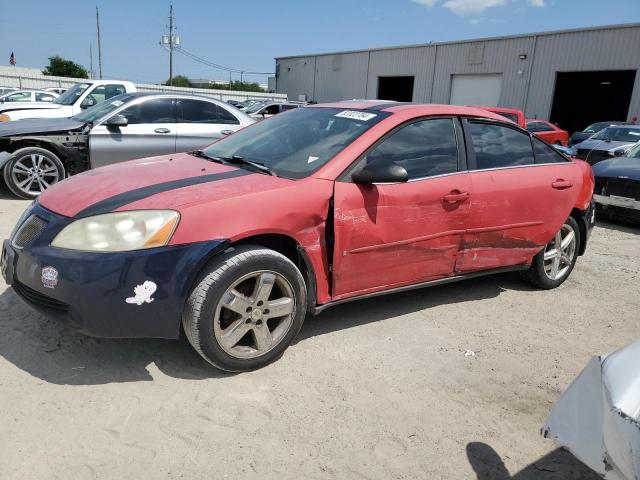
527, 84
614, 49
410, 61
499, 56
341, 77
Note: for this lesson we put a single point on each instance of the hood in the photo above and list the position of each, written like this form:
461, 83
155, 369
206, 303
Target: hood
602, 145
38, 125
13, 106
169, 181
626, 167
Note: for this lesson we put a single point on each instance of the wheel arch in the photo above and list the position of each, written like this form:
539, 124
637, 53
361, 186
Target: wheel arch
294, 251
17, 144
578, 216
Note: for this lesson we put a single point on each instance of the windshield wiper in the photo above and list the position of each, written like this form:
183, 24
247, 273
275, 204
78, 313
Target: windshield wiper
235, 160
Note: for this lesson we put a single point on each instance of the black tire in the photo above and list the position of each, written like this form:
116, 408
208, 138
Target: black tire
204, 303
11, 173
537, 275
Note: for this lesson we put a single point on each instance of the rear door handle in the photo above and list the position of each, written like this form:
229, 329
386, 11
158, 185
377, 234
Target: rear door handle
162, 130
561, 184
226, 132
456, 196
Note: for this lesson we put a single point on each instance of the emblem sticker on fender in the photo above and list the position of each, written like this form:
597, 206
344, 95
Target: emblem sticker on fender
142, 293
49, 277
356, 115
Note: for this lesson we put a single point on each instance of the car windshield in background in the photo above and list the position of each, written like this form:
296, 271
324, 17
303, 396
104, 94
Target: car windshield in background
634, 152
618, 134
511, 116
70, 96
297, 143
253, 108
103, 108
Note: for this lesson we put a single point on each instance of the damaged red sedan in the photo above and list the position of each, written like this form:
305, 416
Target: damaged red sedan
235, 244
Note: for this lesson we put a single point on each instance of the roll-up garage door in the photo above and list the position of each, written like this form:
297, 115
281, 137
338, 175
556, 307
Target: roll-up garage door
476, 89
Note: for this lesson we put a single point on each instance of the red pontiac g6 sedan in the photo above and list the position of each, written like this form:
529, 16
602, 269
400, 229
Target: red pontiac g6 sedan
317, 206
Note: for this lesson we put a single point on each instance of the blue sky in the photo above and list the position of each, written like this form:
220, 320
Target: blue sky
247, 34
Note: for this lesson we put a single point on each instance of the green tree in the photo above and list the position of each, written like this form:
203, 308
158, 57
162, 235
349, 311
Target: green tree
60, 67
237, 85
178, 81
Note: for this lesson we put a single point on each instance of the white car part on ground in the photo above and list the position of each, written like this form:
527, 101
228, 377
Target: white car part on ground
598, 416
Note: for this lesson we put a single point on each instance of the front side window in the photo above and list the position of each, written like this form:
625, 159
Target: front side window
496, 146
157, 110
271, 110
546, 154
18, 97
424, 149
96, 112
44, 97
297, 143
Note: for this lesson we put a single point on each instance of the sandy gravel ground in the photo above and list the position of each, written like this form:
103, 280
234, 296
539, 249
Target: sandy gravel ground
379, 389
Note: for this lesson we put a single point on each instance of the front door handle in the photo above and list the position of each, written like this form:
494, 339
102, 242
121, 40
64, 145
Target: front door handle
226, 132
456, 196
561, 184
162, 130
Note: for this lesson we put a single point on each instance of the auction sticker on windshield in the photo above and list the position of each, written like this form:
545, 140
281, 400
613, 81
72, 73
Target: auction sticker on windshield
355, 115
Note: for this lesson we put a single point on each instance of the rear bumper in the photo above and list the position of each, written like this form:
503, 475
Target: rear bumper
89, 291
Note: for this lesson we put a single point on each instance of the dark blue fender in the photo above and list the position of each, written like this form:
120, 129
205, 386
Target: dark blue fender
91, 288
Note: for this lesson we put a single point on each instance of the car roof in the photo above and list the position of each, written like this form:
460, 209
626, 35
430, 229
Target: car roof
426, 109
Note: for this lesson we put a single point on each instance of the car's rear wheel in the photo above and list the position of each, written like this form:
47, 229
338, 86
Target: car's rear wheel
31, 170
245, 309
554, 263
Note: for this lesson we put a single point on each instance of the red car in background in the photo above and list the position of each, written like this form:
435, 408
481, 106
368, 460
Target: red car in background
320, 205
513, 114
547, 131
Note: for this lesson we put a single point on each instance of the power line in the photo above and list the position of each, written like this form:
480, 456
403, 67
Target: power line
216, 65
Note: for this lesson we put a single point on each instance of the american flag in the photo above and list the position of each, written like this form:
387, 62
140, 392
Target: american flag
12, 59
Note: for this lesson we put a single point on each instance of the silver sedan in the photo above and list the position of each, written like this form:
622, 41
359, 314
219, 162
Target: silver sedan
37, 153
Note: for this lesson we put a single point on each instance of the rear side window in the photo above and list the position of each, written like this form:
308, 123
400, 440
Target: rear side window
159, 110
44, 97
496, 146
424, 148
538, 127
546, 154
197, 111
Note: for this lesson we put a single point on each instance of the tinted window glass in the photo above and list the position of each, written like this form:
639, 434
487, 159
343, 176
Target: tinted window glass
44, 97
546, 154
288, 107
496, 146
272, 110
423, 148
198, 111
538, 127
160, 110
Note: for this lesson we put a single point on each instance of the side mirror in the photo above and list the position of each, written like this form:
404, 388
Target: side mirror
386, 173
88, 102
619, 153
117, 121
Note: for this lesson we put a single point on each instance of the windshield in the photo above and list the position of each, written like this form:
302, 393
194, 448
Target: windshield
70, 96
634, 152
103, 108
618, 134
596, 127
296, 143
254, 107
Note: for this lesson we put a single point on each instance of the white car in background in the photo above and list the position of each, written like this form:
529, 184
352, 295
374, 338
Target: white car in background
82, 95
58, 90
266, 110
28, 96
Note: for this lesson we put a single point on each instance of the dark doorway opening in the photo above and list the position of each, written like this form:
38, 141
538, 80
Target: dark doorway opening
583, 98
399, 89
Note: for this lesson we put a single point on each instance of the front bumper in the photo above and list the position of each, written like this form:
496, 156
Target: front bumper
90, 290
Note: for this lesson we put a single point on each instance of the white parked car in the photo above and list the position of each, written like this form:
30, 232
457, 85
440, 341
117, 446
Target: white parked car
58, 90
82, 95
28, 96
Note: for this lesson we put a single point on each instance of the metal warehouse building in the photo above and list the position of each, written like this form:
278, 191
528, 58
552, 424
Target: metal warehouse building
572, 77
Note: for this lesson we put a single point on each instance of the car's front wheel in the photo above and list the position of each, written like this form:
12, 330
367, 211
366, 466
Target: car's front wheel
554, 263
31, 170
245, 308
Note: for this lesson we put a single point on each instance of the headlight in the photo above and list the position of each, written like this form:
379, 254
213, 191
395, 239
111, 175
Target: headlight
119, 232
4, 118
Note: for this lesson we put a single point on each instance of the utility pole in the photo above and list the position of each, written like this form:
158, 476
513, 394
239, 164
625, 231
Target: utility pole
241, 74
170, 41
91, 59
99, 44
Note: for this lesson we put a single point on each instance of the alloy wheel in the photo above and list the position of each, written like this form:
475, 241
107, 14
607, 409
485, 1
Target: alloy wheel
560, 252
33, 173
254, 314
